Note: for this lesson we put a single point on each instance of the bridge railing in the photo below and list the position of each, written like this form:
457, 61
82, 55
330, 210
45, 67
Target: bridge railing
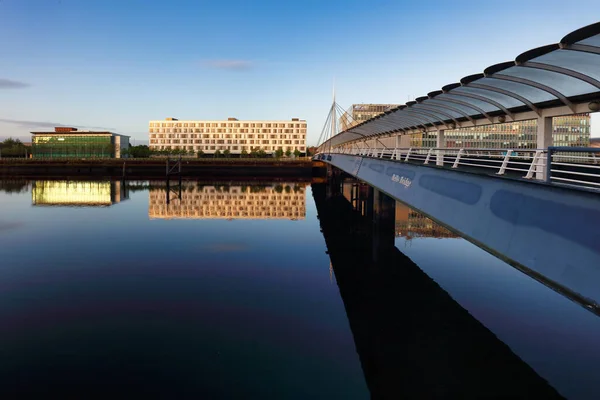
578, 166
560, 165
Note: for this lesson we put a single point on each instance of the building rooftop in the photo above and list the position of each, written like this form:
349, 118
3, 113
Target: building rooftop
79, 133
229, 119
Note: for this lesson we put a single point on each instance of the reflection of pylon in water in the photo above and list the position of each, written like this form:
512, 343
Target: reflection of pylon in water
330, 272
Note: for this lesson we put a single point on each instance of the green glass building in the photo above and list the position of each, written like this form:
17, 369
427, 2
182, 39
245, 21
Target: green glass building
71, 143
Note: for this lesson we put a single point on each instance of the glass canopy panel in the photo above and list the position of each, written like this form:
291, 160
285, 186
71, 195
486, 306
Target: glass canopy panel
578, 61
529, 92
414, 114
506, 101
466, 110
398, 118
486, 107
384, 124
591, 41
452, 113
432, 119
440, 117
403, 122
565, 84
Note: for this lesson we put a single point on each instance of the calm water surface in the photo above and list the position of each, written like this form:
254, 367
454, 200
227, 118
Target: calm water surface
224, 290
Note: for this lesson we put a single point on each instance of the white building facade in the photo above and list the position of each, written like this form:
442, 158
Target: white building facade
233, 135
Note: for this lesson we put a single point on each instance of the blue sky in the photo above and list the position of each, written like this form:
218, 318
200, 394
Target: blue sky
119, 63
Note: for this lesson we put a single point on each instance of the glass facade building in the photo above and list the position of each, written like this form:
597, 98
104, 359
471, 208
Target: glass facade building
77, 144
570, 130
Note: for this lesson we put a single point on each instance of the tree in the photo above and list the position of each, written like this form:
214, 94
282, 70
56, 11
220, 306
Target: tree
226, 153
261, 153
10, 142
288, 153
217, 153
13, 148
296, 153
244, 153
141, 151
278, 153
253, 152
200, 154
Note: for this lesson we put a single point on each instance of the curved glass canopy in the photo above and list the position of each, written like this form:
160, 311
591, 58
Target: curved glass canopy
548, 76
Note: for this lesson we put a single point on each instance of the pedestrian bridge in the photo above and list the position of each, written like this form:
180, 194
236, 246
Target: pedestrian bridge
549, 231
537, 208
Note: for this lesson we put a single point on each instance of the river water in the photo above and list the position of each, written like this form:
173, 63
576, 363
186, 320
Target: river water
226, 290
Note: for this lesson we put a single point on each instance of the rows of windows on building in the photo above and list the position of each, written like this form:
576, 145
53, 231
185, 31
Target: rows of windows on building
358, 113
571, 131
233, 135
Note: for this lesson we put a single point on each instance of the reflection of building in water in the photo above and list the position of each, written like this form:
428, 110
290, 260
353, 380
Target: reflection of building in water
281, 201
409, 223
77, 193
412, 224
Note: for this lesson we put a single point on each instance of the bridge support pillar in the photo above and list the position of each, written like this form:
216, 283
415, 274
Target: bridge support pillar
544, 140
441, 142
384, 223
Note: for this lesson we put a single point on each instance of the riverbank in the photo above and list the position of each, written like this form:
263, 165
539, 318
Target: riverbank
157, 168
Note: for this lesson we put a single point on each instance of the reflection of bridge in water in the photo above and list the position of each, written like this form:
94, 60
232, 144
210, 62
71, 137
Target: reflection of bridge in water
413, 339
198, 200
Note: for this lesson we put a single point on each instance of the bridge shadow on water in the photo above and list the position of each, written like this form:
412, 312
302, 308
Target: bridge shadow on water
413, 339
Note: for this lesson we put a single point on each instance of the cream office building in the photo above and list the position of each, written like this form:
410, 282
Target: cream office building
232, 135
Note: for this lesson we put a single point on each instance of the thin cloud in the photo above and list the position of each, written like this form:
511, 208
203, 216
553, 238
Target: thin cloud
8, 84
46, 124
233, 65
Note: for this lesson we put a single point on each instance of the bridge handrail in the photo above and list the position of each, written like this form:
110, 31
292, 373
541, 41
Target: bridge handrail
573, 166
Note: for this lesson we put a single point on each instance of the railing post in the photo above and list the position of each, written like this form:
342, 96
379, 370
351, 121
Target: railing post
504, 163
428, 156
548, 172
407, 155
457, 160
532, 168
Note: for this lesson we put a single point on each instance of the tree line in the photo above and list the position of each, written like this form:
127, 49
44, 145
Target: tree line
14, 148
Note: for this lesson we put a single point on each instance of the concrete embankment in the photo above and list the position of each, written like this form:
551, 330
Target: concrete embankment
155, 168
